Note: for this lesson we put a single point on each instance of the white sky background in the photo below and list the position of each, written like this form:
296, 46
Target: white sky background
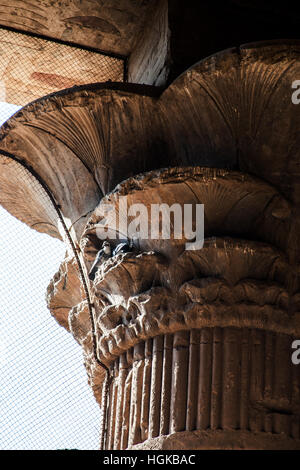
45, 401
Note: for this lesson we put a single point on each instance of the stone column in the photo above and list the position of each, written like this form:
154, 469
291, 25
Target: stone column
197, 342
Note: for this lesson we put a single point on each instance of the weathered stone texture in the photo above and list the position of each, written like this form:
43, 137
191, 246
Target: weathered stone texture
198, 342
149, 62
237, 380
110, 26
31, 67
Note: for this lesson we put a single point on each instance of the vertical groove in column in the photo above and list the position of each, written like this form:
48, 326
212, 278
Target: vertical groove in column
295, 397
231, 379
269, 377
257, 379
123, 369
156, 379
245, 379
217, 374
113, 404
166, 390
179, 381
193, 371
126, 403
218, 378
282, 383
136, 394
204, 379
146, 386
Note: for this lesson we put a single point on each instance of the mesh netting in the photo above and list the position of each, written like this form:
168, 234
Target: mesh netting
26, 187
32, 67
45, 401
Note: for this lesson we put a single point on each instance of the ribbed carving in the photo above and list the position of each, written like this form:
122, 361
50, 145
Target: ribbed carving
208, 379
220, 113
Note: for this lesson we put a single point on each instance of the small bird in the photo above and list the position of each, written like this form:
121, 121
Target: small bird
102, 255
122, 248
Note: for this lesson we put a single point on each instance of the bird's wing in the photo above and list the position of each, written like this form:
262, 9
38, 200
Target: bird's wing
120, 247
94, 266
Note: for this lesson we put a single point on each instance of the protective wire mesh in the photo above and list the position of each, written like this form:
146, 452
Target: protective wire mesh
45, 402
31, 67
